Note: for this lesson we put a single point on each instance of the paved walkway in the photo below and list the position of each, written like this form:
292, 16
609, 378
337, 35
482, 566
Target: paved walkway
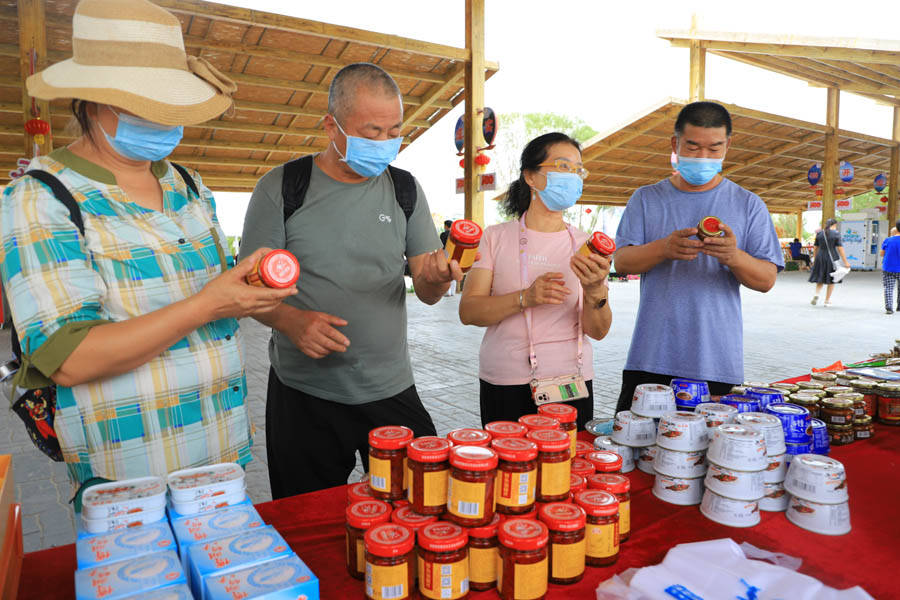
784, 336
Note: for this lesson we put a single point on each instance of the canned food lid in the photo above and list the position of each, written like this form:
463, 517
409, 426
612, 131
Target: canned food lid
836, 390
506, 429
534, 422
523, 534
429, 449
359, 491
819, 463
602, 243
562, 516
863, 420
582, 466
365, 513
826, 376
390, 437
763, 391
473, 458
279, 269
549, 440
389, 539
851, 396
863, 384
465, 231
737, 399
405, 515
442, 537
817, 423
469, 437
604, 460
738, 431
711, 225
486, 531
786, 408
597, 503
515, 449
810, 385
582, 447
804, 397
889, 387
610, 482
783, 386
577, 483
837, 402
682, 416
758, 418
564, 413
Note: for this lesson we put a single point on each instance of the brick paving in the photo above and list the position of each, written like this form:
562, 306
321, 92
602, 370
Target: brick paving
783, 336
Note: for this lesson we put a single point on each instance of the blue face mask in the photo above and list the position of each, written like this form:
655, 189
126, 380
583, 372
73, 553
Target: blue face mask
369, 157
139, 139
563, 190
698, 171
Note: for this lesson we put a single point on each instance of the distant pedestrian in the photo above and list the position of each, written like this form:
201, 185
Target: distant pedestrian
890, 270
796, 253
828, 249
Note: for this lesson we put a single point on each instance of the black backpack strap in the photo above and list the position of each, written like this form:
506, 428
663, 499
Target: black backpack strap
294, 183
404, 190
187, 178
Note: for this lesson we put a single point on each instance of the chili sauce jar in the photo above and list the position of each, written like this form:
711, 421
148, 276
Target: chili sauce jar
554, 464
516, 475
567, 415
428, 460
539, 422
581, 448
566, 523
387, 461
709, 227
841, 435
577, 483
870, 395
359, 492
277, 269
390, 567
863, 428
889, 403
604, 461
620, 487
582, 466
470, 437
443, 561
506, 429
484, 552
470, 487
462, 243
598, 243
836, 411
522, 570
602, 534
361, 516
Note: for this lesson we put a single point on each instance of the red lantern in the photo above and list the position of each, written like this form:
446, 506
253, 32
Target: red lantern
587, 210
482, 159
462, 163
37, 128
884, 199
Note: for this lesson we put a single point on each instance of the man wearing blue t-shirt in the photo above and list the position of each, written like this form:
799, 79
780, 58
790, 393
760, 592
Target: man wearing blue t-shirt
689, 320
890, 269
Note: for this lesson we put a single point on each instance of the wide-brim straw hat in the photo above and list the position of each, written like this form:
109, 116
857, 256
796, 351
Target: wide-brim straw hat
130, 54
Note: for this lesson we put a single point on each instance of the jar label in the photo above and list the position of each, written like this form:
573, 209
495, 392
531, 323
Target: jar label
573, 437
837, 419
407, 474
464, 256
862, 434
530, 580
602, 540
555, 478
435, 486
380, 474
516, 489
568, 560
387, 583
360, 554
624, 517
888, 408
466, 499
483, 564
444, 580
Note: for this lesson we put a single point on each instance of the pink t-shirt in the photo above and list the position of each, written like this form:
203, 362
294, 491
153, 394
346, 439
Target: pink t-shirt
504, 349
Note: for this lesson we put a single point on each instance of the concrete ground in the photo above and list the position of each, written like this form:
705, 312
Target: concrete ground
783, 336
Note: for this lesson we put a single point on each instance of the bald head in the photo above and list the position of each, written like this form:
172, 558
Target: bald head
356, 79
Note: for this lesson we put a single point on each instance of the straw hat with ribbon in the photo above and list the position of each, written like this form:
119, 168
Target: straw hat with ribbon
130, 54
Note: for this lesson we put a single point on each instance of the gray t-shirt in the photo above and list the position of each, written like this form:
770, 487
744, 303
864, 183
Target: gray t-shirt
350, 240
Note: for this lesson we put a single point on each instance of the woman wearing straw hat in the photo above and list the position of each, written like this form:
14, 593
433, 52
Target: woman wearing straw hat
134, 319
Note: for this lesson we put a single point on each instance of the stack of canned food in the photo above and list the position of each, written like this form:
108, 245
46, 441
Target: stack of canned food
734, 482
680, 461
818, 498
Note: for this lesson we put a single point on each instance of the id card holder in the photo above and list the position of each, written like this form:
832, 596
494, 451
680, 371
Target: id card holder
558, 389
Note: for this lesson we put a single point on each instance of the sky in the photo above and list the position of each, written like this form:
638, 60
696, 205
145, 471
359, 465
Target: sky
600, 61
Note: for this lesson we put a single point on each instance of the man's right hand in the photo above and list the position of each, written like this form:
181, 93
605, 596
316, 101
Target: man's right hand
678, 245
315, 334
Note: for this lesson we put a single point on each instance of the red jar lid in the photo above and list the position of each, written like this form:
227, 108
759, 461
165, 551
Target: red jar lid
549, 440
515, 449
506, 429
365, 513
577, 483
604, 461
470, 437
473, 458
602, 243
467, 232
390, 437
582, 467
611, 482
359, 492
279, 269
486, 531
523, 534
428, 449
389, 539
582, 448
443, 537
400, 503
711, 225
535, 422
564, 413
597, 503
562, 516
410, 518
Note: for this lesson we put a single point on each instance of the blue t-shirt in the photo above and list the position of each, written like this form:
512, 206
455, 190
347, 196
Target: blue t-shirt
795, 249
689, 320
891, 261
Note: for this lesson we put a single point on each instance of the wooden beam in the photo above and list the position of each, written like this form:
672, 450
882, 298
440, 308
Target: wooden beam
867, 74
734, 109
806, 139
790, 70
290, 109
787, 47
474, 199
33, 53
829, 164
436, 91
799, 232
697, 77
261, 128
894, 181
598, 149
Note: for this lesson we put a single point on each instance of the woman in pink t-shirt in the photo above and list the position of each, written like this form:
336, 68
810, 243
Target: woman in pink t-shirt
532, 290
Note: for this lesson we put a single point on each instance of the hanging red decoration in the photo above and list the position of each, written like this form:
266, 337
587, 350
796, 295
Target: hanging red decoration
587, 210
38, 128
884, 199
482, 159
462, 163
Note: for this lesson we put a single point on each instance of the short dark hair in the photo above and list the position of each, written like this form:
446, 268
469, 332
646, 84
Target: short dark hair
448, 223
518, 197
81, 120
897, 224
796, 239
830, 222
345, 82
703, 114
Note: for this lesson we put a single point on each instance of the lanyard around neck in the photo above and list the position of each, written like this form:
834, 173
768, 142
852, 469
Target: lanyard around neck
523, 272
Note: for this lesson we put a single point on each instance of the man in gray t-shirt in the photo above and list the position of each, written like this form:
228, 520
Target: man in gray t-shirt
340, 361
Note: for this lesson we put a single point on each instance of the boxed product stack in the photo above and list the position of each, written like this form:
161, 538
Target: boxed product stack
818, 498
195, 491
774, 498
734, 481
680, 461
122, 504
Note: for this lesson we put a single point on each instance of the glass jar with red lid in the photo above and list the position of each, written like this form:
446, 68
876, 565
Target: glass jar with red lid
462, 243
598, 243
483, 555
516, 475
604, 461
470, 437
566, 523
470, 488
387, 461
581, 448
390, 566
554, 464
523, 568
539, 422
709, 227
506, 429
443, 561
577, 483
531, 514
278, 269
583, 467
359, 492
428, 460
620, 487
408, 517
361, 516
567, 416
602, 532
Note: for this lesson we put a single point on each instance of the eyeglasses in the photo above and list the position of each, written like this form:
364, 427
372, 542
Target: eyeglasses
565, 166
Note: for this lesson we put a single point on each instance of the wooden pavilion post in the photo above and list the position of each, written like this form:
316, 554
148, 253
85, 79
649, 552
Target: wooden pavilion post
829, 165
474, 138
697, 89
33, 36
894, 181
799, 235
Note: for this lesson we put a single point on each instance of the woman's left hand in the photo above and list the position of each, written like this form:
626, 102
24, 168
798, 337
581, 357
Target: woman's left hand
592, 272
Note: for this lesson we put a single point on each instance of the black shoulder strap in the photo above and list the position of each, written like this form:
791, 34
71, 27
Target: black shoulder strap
294, 184
187, 178
404, 190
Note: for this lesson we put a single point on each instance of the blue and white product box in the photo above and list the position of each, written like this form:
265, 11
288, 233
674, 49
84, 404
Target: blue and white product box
119, 580
233, 552
208, 505
104, 548
282, 579
172, 592
212, 525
